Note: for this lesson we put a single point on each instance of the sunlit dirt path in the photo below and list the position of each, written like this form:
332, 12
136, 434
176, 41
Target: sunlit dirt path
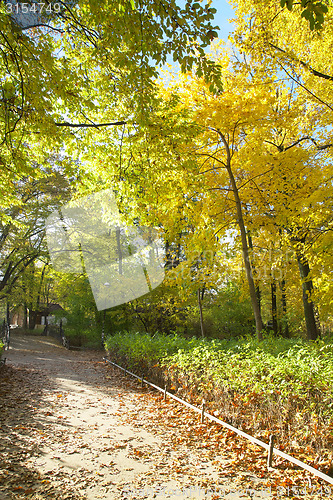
74, 428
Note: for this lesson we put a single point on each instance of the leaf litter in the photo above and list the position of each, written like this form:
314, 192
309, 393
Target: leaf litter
72, 428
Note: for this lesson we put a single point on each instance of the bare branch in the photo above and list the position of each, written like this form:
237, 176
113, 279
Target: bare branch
258, 175
213, 158
305, 88
306, 138
304, 64
93, 125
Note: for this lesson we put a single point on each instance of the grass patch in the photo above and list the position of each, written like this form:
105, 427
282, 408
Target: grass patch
37, 331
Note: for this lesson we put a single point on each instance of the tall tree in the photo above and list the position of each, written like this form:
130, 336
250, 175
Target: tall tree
22, 226
261, 146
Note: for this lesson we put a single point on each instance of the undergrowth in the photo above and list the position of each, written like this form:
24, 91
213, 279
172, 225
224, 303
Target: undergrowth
278, 386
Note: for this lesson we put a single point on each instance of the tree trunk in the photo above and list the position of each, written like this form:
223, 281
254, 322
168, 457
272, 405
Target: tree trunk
103, 328
39, 291
8, 314
145, 324
274, 306
25, 316
245, 248
120, 254
201, 315
258, 291
285, 329
32, 319
307, 286
46, 327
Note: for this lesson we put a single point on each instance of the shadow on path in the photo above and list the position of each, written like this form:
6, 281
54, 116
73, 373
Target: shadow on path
72, 428
22, 392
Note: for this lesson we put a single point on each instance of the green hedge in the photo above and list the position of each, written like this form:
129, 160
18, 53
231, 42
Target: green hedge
89, 337
276, 364
281, 385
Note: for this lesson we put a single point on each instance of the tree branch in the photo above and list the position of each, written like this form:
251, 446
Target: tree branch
93, 125
304, 64
306, 138
305, 88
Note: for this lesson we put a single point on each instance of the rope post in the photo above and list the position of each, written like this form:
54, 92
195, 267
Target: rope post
202, 411
142, 380
270, 451
125, 372
165, 391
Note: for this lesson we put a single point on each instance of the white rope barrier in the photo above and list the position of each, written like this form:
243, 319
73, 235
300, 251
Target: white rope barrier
275, 451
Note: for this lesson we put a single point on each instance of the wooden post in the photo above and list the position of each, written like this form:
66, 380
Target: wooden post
270, 451
165, 391
202, 411
141, 380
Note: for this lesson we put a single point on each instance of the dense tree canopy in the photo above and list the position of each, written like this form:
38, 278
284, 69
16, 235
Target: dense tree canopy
229, 156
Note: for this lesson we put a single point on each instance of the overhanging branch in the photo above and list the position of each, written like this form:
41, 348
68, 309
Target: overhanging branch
304, 64
92, 125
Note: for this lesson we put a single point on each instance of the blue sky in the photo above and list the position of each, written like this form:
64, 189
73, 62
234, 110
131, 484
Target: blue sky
224, 12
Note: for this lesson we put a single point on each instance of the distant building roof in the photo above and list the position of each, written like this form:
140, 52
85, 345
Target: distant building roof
50, 309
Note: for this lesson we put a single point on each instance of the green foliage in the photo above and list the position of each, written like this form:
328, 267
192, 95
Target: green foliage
83, 321
273, 369
89, 337
230, 315
1, 348
22, 240
226, 313
143, 349
280, 386
224, 319
280, 366
312, 10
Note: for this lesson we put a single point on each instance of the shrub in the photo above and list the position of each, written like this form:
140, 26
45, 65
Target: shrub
281, 386
89, 337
